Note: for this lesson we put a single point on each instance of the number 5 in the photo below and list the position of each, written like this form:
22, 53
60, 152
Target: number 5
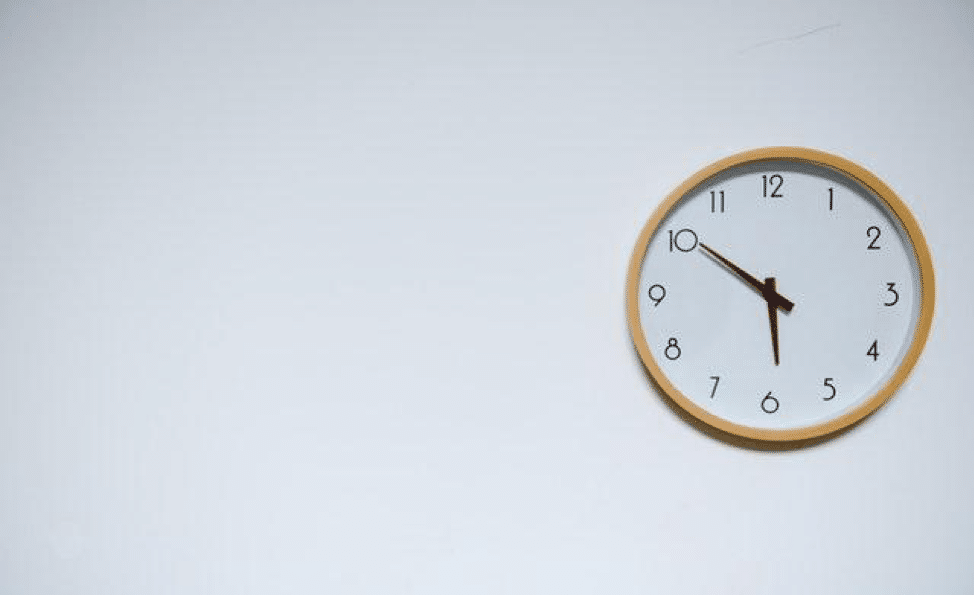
828, 383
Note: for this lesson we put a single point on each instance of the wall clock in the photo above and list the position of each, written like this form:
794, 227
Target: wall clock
780, 294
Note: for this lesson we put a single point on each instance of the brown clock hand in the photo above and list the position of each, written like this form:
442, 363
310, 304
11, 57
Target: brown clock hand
769, 283
773, 297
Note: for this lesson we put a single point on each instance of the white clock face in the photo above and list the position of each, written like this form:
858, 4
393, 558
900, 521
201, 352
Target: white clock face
785, 252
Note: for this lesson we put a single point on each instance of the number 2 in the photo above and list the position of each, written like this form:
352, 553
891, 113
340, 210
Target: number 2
776, 178
869, 234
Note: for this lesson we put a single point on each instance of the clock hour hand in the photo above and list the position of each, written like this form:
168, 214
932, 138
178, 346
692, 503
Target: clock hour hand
768, 292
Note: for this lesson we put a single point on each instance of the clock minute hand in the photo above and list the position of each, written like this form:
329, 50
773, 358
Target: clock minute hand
773, 320
769, 293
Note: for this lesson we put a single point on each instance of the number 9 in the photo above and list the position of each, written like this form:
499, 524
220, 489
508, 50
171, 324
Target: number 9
658, 296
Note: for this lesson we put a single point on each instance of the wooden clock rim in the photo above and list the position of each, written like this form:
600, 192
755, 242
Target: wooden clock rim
921, 331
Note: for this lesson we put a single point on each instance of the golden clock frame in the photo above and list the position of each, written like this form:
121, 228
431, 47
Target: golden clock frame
771, 438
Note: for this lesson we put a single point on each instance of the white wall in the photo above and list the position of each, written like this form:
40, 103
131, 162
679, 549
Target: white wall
327, 297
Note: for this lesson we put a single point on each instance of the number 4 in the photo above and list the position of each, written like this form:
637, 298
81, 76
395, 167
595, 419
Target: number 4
874, 350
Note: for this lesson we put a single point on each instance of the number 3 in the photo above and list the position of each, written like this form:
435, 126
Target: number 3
896, 295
